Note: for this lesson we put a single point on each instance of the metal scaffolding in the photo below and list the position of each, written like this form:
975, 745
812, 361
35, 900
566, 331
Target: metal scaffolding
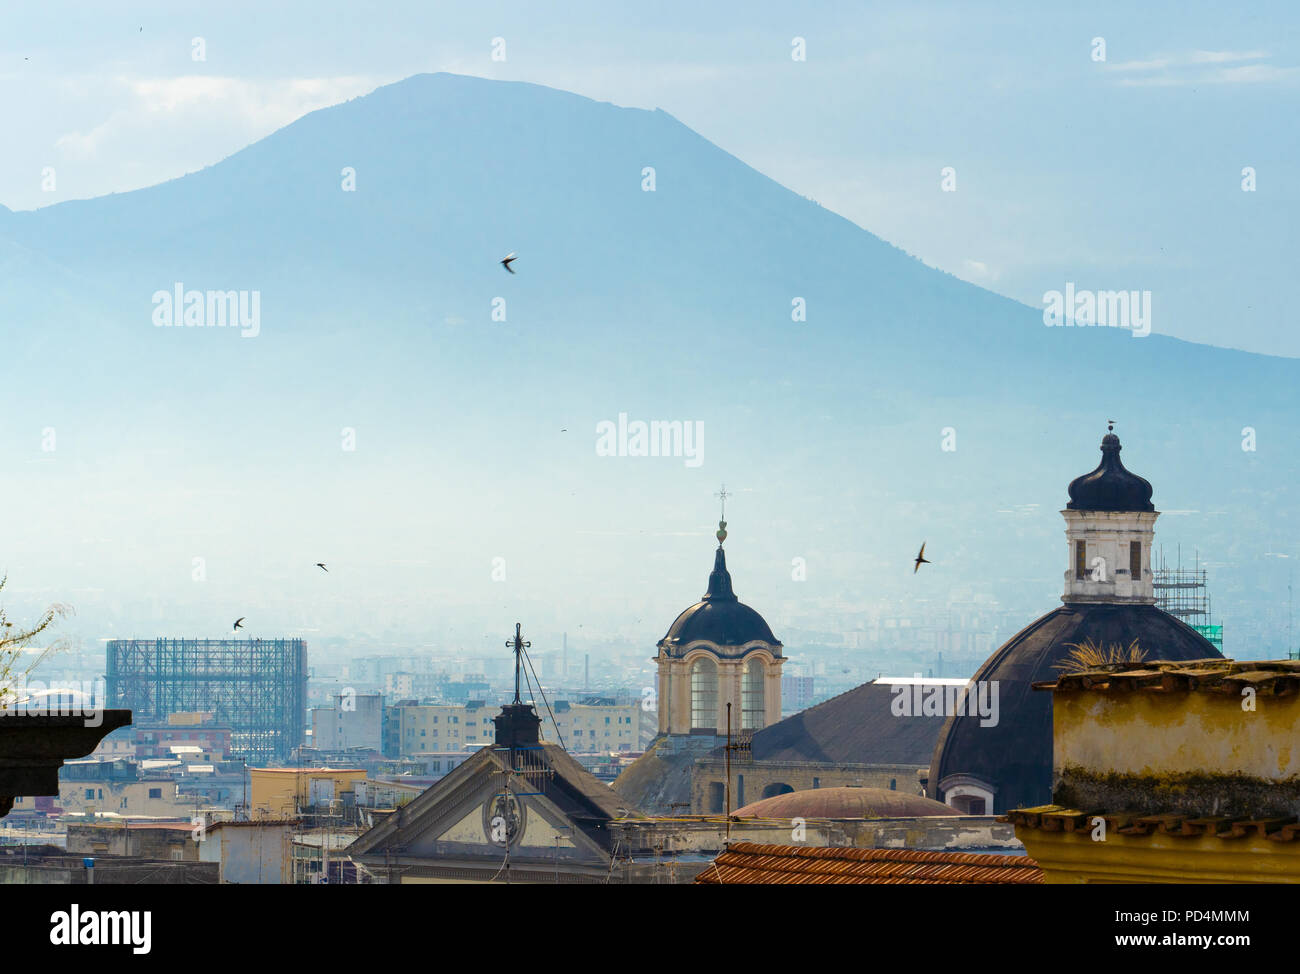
1183, 593
258, 687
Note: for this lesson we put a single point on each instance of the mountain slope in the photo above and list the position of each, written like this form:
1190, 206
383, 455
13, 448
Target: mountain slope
376, 315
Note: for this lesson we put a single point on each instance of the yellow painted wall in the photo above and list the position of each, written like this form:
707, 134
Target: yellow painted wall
1186, 750
1074, 857
280, 791
1147, 733
189, 718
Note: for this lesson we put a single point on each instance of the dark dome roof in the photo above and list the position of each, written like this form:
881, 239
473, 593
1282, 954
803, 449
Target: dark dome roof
844, 803
719, 617
1110, 487
1016, 755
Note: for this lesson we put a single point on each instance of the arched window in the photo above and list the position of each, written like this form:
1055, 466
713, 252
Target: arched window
704, 694
751, 696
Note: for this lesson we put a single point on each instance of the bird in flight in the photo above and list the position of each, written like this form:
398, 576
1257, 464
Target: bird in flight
507, 260
920, 559
239, 623
321, 566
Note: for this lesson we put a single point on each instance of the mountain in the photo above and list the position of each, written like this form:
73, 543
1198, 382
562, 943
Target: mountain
177, 443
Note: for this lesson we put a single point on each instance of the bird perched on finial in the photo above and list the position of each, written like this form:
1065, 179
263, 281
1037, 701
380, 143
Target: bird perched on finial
920, 559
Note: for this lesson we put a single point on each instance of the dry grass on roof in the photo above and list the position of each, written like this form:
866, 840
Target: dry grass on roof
1090, 655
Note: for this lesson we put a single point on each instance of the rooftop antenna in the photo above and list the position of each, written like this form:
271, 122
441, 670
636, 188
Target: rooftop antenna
742, 745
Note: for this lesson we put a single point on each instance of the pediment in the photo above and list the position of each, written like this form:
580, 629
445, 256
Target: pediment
470, 818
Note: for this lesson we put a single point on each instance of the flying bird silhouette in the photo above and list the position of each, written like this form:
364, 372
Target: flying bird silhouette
239, 623
321, 566
507, 260
920, 559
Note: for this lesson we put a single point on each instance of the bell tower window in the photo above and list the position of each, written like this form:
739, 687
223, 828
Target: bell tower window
704, 694
752, 696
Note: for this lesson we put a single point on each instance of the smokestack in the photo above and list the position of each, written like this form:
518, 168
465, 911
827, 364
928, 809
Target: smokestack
586, 671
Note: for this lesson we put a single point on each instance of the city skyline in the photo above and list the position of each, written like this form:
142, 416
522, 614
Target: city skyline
581, 446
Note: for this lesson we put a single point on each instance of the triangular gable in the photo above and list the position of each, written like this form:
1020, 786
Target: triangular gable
452, 819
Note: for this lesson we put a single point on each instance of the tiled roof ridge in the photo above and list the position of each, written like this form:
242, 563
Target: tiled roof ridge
877, 855
1212, 675
749, 862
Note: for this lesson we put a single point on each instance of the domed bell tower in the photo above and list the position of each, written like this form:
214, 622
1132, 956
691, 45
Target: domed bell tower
1109, 526
718, 652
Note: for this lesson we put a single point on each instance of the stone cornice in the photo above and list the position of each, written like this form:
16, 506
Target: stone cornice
33, 748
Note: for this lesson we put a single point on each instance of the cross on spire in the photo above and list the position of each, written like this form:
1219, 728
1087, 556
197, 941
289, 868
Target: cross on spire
518, 644
723, 495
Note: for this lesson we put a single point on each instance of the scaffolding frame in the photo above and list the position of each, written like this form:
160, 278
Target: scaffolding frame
1184, 594
258, 687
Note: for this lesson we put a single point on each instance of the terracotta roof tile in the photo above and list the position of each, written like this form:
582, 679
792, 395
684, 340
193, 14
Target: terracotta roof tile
1273, 677
749, 862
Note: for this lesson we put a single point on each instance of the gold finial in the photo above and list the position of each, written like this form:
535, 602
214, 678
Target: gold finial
722, 522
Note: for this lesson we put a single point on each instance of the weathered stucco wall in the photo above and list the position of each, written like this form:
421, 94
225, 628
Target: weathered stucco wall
1146, 732
1182, 752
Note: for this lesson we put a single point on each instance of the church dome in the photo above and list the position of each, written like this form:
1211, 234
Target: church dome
1015, 754
844, 803
1110, 487
719, 617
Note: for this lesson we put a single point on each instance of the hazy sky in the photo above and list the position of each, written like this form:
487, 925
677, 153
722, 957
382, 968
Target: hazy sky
1117, 174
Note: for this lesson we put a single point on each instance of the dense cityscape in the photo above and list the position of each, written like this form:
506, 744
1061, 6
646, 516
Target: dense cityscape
472, 445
